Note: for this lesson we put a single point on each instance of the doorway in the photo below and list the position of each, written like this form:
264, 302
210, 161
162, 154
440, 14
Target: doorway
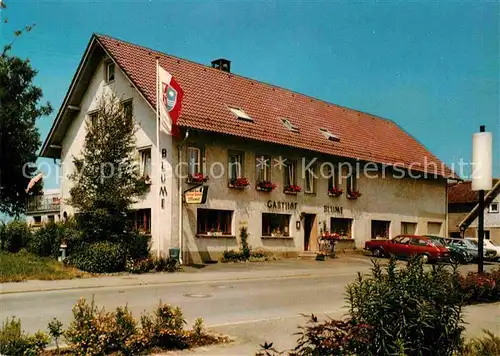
309, 220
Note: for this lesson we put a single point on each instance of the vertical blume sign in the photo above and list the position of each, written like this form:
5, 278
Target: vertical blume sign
482, 161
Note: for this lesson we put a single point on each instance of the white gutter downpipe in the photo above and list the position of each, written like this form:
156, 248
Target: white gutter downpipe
179, 182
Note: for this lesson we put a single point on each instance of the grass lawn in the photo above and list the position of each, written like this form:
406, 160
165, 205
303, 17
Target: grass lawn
17, 267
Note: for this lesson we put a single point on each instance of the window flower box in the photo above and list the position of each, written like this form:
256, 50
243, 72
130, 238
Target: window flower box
197, 178
353, 194
277, 233
214, 232
292, 189
265, 186
239, 183
335, 192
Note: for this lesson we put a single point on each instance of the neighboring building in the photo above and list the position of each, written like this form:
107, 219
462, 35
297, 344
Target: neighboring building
44, 208
236, 123
463, 211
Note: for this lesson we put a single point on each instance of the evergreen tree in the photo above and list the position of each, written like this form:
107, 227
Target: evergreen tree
107, 178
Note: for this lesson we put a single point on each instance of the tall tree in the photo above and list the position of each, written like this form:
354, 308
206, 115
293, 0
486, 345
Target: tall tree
20, 107
106, 177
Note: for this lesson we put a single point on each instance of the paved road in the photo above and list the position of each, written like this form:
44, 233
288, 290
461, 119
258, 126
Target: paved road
216, 302
253, 310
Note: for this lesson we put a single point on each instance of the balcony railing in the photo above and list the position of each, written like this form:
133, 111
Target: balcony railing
43, 204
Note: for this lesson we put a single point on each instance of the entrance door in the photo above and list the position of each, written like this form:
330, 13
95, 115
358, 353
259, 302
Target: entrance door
309, 220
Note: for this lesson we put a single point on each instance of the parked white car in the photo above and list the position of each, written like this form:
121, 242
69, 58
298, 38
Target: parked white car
488, 245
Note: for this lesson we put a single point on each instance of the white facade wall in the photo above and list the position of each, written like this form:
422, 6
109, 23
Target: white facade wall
491, 223
144, 115
491, 219
398, 201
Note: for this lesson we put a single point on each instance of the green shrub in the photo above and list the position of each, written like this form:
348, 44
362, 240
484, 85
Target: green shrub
101, 225
139, 266
16, 235
157, 264
165, 327
169, 265
411, 311
46, 241
328, 338
136, 245
232, 256
487, 345
3, 227
55, 330
14, 341
198, 328
100, 257
94, 331
245, 248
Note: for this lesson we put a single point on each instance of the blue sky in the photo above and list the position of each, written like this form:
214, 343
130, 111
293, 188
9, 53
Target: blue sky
431, 67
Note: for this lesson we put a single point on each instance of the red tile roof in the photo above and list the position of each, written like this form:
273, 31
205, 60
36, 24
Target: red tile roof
207, 91
462, 193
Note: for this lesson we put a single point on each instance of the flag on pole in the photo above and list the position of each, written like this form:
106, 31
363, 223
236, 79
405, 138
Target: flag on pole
33, 181
170, 100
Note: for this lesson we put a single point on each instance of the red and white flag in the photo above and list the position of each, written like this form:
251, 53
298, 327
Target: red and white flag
170, 100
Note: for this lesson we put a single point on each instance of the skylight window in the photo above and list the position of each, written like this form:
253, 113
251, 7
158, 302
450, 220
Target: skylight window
329, 136
289, 125
240, 114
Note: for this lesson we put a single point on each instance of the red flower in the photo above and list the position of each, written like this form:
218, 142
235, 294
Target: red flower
239, 182
266, 185
197, 178
293, 189
335, 192
353, 193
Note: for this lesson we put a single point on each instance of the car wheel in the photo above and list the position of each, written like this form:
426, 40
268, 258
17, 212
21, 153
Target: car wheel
425, 258
454, 259
377, 252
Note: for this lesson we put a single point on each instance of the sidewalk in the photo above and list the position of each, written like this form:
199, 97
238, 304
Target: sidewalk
281, 332
217, 272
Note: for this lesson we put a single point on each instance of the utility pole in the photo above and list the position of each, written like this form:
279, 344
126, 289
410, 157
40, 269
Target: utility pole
480, 225
481, 180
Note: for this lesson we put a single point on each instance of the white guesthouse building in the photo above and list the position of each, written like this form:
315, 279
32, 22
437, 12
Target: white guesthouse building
232, 119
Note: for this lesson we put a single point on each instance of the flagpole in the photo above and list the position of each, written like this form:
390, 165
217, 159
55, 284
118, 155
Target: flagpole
158, 162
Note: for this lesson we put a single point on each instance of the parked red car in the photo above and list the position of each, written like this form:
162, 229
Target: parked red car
404, 246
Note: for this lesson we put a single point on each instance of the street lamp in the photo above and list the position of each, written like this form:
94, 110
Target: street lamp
481, 181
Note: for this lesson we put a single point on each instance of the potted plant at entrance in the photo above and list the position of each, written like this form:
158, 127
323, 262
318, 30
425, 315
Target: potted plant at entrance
335, 192
197, 178
353, 194
239, 183
320, 256
265, 186
292, 189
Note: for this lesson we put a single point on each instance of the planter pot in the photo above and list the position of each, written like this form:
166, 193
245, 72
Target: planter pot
334, 195
192, 181
290, 193
237, 186
320, 257
264, 190
352, 197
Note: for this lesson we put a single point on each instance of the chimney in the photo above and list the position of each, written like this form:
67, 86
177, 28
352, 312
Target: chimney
222, 64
